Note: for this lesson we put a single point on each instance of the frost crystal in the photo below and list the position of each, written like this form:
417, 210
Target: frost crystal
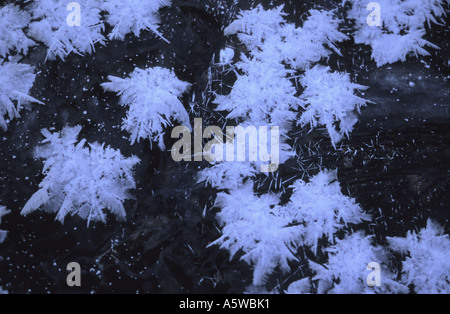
256, 26
268, 234
315, 40
346, 270
254, 225
321, 208
402, 31
16, 80
132, 16
264, 91
12, 37
81, 180
268, 37
302, 286
50, 27
227, 175
262, 95
153, 99
426, 264
330, 100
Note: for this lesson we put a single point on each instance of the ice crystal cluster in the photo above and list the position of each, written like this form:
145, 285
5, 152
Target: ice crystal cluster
80, 178
46, 21
153, 97
265, 93
402, 29
425, 262
269, 233
12, 37
49, 25
281, 81
16, 80
133, 16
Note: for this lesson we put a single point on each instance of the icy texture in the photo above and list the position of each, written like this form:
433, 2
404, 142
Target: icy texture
254, 225
16, 80
52, 29
227, 175
153, 99
402, 31
256, 26
315, 40
268, 37
346, 270
81, 179
262, 95
268, 233
133, 16
12, 37
321, 208
264, 91
426, 264
265, 94
330, 100
302, 286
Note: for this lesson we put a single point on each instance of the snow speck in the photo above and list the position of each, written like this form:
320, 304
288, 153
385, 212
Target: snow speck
226, 55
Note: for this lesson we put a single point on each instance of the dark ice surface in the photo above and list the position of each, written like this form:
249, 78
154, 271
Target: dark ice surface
396, 162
